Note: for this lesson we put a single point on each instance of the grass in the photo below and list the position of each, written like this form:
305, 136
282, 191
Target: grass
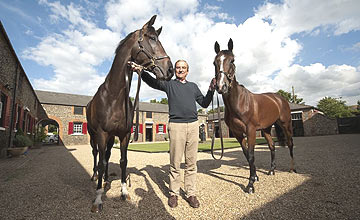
205, 146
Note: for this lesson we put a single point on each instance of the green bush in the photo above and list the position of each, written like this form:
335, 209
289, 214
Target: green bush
40, 135
22, 140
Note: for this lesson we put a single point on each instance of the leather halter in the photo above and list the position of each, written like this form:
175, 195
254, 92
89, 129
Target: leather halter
150, 65
230, 77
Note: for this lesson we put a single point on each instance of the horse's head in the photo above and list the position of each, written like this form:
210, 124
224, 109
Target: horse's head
224, 68
150, 53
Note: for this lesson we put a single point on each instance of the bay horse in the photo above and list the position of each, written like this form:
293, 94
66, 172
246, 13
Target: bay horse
246, 112
110, 112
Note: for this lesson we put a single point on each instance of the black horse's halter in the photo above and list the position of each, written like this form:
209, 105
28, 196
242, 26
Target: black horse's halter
150, 65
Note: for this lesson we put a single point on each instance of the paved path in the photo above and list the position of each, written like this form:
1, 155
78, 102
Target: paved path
53, 182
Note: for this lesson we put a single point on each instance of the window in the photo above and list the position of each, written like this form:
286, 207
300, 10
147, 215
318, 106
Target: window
149, 114
78, 110
77, 128
296, 116
161, 128
2, 110
140, 130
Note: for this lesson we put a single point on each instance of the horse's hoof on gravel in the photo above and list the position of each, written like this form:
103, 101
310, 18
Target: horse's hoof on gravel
125, 197
106, 184
293, 171
94, 178
271, 173
250, 189
256, 178
96, 208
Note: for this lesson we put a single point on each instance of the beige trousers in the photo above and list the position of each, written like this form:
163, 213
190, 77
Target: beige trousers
184, 139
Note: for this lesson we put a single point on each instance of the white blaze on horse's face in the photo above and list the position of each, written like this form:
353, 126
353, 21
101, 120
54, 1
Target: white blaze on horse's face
222, 75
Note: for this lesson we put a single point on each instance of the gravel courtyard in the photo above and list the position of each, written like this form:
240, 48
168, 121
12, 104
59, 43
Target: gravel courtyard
53, 182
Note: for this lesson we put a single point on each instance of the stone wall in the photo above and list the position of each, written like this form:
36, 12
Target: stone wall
63, 115
318, 124
14, 83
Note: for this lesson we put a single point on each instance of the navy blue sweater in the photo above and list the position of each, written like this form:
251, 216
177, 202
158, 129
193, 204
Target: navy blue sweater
181, 97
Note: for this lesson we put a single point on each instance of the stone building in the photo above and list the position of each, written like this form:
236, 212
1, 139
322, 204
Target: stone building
306, 121
67, 112
20, 107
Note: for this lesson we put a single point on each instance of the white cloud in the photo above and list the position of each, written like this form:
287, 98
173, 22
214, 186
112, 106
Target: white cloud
316, 81
264, 50
292, 16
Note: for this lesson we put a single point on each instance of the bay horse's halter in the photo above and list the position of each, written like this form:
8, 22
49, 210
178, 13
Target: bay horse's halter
150, 65
228, 75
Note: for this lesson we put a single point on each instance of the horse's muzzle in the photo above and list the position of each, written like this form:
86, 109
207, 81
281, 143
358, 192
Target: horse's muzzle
223, 89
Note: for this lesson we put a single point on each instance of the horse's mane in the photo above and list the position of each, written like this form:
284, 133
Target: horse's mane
121, 43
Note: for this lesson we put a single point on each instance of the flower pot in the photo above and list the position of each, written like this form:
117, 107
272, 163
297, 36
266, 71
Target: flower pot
17, 151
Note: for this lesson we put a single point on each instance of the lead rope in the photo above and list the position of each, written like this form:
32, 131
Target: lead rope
136, 107
220, 130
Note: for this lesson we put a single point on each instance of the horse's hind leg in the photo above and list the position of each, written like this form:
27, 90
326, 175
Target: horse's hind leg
101, 140
123, 164
287, 129
271, 144
109, 145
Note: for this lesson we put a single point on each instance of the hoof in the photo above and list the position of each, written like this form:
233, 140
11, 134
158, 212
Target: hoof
250, 189
94, 178
256, 178
106, 184
271, 173
293, 171
96, 208
125, 197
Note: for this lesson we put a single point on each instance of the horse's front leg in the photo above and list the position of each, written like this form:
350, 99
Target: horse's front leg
110, 144
97, 204
241, 139
123, 164
251, 136
95, 153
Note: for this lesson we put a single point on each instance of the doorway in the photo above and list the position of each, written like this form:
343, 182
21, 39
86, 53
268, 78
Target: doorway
149, 132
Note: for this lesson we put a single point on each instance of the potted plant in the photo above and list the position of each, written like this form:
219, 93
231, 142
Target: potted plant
21, 144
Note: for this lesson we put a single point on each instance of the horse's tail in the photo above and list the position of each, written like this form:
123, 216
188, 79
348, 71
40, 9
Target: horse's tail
280, 135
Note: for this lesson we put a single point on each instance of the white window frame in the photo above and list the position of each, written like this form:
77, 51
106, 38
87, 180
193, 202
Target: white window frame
78, 128
161, 129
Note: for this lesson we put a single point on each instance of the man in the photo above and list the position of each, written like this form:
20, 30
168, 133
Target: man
183, 127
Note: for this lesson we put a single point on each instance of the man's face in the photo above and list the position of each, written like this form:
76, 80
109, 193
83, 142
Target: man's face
181, 70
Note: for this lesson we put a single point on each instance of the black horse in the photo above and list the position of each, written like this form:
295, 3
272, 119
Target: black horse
110, 112
246, 112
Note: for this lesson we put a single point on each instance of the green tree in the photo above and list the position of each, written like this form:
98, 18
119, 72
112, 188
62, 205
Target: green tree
290, 98
334, 107
216, 109
164, 101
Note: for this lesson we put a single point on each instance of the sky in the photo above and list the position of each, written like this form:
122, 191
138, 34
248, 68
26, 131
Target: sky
311, 45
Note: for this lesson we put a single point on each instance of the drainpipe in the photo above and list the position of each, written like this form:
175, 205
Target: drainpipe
13, 107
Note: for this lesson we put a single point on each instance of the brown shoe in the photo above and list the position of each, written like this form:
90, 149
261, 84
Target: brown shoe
172, 202
193, 202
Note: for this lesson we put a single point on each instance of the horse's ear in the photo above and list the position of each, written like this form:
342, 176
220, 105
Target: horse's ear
158, 31
150, 22
217, 47
230, 45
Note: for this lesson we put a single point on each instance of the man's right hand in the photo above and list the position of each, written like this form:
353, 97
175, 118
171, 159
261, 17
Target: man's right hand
135, 67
